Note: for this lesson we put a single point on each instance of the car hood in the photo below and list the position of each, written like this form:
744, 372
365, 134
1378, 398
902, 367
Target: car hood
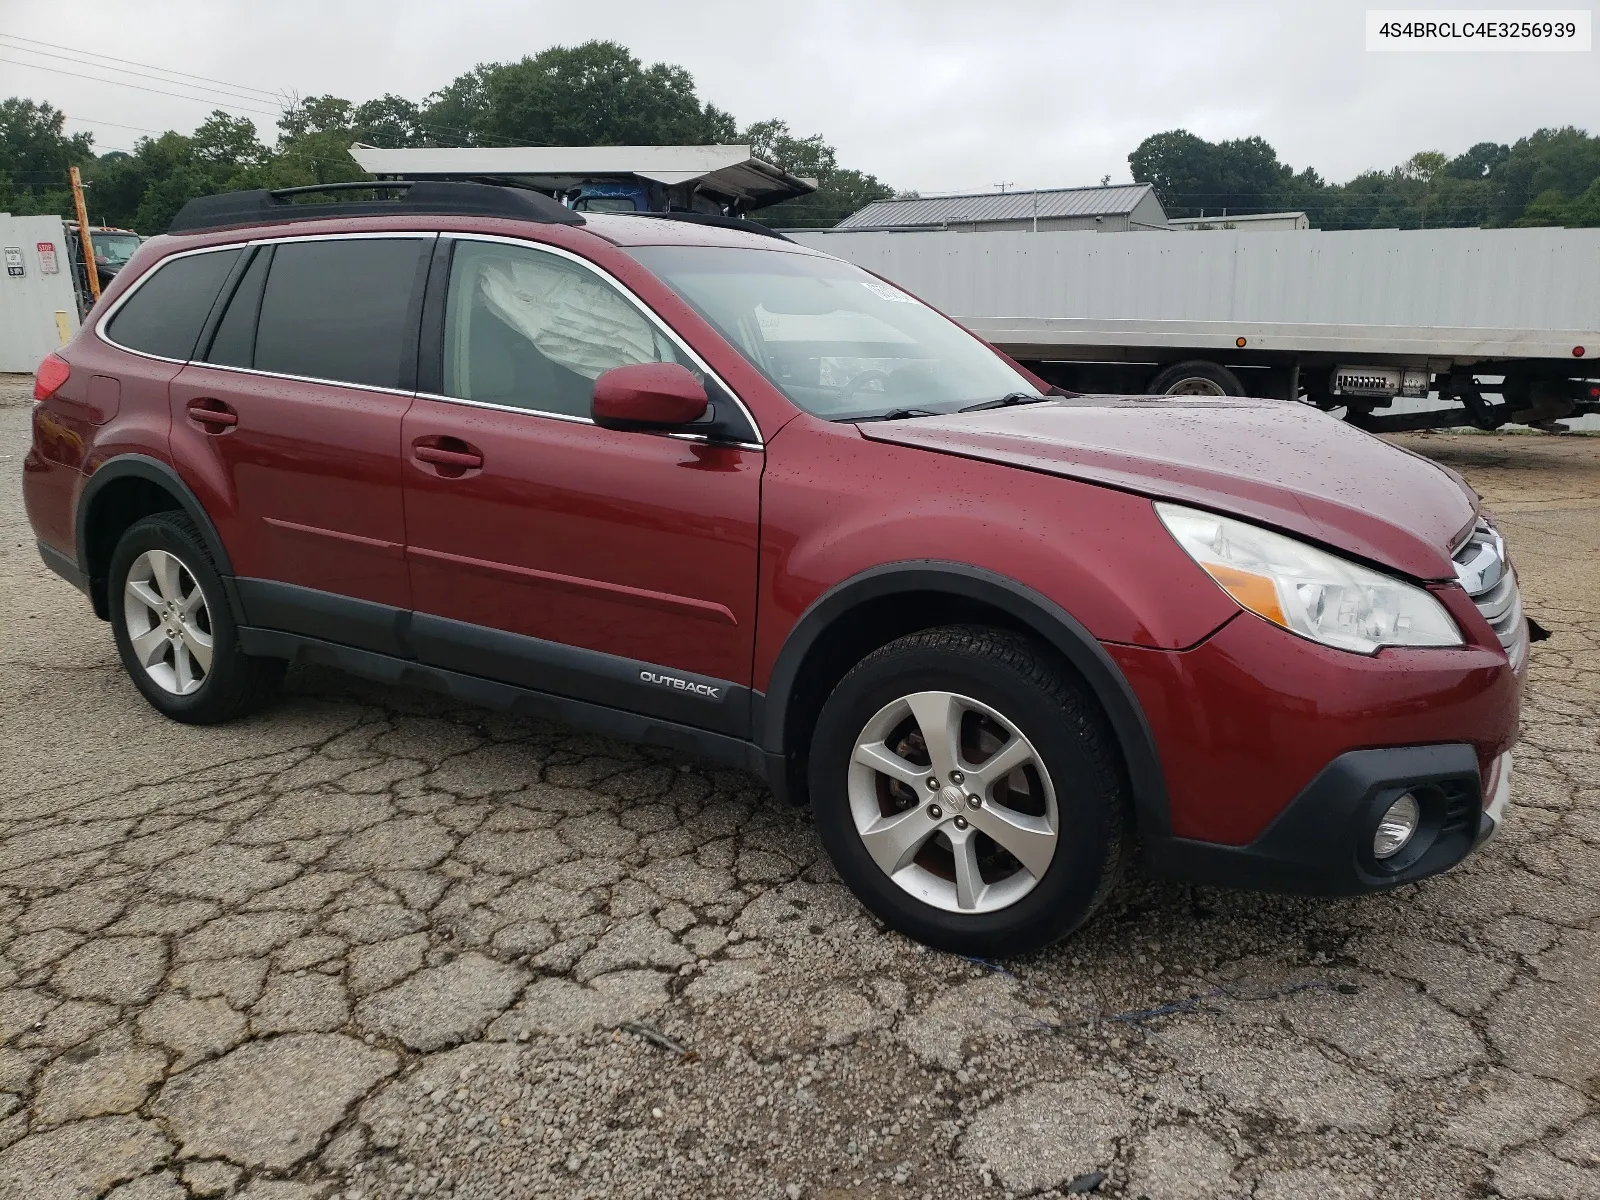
1269, 461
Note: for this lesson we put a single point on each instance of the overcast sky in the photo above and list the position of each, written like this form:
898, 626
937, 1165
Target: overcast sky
937, 95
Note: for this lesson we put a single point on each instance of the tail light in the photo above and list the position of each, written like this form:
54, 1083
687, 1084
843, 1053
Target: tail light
53, 372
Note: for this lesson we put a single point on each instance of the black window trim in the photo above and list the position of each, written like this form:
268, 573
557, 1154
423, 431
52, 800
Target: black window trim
435, 326
230, 291
396, 234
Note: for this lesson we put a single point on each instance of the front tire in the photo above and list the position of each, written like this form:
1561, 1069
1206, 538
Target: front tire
968, 791
174, 630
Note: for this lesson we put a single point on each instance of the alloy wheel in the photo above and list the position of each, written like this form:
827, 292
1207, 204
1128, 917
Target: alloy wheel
953, 802
168, 622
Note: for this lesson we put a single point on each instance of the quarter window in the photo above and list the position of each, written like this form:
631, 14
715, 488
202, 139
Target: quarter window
338, 309
532, 330
165, 314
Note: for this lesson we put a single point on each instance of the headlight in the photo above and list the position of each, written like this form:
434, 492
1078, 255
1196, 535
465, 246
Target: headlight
1309, 591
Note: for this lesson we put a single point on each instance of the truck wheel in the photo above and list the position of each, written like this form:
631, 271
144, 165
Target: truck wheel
174, 630
1196, 378
967, 790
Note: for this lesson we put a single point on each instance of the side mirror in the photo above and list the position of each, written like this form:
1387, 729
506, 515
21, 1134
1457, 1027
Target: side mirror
648, 396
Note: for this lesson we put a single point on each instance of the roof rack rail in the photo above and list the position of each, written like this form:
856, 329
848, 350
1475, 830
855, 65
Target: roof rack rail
692, 218
415, 198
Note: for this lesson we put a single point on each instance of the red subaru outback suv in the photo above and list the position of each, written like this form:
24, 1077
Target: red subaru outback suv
695, 484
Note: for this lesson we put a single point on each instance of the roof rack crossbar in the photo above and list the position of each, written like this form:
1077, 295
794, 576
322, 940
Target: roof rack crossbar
419, 197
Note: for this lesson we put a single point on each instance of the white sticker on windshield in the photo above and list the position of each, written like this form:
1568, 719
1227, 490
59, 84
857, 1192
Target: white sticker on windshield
884, 292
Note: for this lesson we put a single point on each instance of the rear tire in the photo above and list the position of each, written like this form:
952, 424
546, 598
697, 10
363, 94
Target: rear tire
1196, 377
994, 862
174, 630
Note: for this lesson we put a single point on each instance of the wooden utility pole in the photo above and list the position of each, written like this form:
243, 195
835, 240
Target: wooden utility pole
84, 240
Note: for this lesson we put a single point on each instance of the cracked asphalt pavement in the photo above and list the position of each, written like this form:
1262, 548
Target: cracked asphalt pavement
371, 943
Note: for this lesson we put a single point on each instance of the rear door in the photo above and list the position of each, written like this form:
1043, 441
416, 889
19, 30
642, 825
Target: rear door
546, 551
290, 432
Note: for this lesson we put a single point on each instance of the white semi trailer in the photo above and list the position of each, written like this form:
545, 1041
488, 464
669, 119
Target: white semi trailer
1496, 326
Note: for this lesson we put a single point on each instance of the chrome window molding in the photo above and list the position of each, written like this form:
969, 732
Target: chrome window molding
525, 243
259, 374
645, 310
572, 419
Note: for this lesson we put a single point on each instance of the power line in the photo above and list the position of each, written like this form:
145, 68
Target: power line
237, 89
136, 87
113, 124
130, 62
235, 92
195, 87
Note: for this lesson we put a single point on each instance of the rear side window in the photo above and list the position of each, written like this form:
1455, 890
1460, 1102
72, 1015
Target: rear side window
340, 309
164, 314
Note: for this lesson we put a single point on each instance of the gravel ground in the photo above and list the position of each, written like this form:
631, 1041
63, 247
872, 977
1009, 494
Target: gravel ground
375, 944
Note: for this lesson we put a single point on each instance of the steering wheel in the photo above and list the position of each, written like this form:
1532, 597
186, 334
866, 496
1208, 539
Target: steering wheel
861, 381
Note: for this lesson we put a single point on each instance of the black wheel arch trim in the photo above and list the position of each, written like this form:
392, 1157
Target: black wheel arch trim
153, 470
1035, 612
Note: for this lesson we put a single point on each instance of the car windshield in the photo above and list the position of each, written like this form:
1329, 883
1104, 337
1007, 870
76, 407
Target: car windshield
840, 343
114, 248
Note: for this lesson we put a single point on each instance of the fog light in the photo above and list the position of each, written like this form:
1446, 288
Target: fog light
1396, 828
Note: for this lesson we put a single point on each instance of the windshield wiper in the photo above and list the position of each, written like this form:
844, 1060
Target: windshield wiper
900, 414
1005, 401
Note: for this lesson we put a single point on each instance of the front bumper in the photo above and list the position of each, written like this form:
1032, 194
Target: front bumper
1321, 843
1498, 788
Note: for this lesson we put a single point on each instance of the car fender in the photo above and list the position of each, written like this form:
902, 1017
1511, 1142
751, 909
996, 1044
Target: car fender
1042, 616
152, 470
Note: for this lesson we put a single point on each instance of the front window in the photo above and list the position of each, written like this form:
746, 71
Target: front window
113, 249
837, 341
528, 329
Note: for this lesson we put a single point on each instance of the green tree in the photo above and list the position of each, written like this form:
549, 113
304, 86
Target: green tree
1193, 176
596, 94
1530, 182
1565, 160
228, 142
1478, 162
145, 189
35, 154
314, 145
1553, 207
840, 190
451, 116
1585, 209
390, 121
315, 114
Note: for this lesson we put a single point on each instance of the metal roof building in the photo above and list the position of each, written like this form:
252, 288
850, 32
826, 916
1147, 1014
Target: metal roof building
1115, 209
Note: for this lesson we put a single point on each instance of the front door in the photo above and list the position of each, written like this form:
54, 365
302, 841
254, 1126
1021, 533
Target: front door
546, 551
292, 427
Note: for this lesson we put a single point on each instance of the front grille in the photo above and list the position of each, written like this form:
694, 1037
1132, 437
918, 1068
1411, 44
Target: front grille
1490, 580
